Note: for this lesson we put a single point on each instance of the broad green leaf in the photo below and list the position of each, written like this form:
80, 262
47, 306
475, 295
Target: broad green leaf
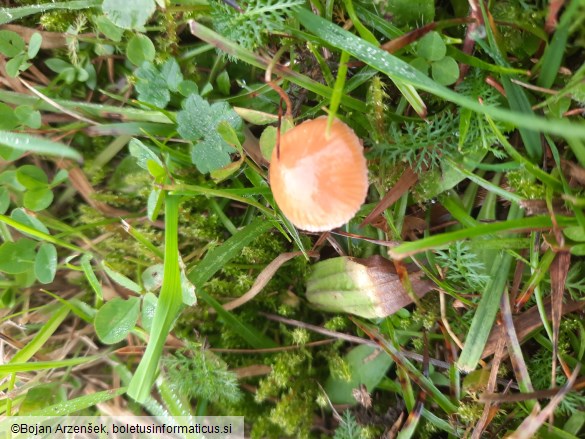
431, 47
129, 14
156, 170
149, 302
60, 177
154, 204
20, 215
143, 154
41, 396
223, 83
11, 44
4, 200
116, 318
187, 87
575, 423
32, 177
445, 71
58, 65
227, 133
16, 65
367, 366
38, 199
140, 49
578, 250
46, 263
268, 137
421, 65
122, 280
187, 290
152, 86
28, 116
27, 143
34, 45
109, 29
17, 257
576, 233
256, 117
85, 264
152, 277
171, 71
413, 12
8, 119
199, 120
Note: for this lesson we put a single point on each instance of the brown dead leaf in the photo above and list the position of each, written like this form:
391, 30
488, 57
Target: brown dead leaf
83, 186
51, 40
407, 180
527, 322
252, 371
263, 278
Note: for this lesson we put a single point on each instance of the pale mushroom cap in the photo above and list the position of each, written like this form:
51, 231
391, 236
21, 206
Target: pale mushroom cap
319, 182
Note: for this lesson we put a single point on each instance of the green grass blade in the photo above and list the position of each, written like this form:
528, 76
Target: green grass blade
458, 55
395, 68
94, 110
186, 189
78, 404
578, 148
416, 375
510, 196
521, 105
217, 258
485, 314
251, 58
527, 164
553, 54
41, 337
171, 400
337, 89
42, 365
437, 241
92, 279
253, 337
10, 14
27, 143
38, 234
412, 96
488, 307
170, 302
363, 31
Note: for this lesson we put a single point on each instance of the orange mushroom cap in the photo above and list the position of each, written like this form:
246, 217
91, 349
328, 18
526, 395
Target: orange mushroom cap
319, 181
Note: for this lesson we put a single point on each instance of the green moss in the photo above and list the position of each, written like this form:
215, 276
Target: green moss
469, 413
524, 184
336, 323
339, 367
57, 21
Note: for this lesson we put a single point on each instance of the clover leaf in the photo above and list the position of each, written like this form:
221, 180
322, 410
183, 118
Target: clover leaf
199, 121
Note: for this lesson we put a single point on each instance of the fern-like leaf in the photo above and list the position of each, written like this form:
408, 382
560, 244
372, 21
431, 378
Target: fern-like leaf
202, 375
252, 26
